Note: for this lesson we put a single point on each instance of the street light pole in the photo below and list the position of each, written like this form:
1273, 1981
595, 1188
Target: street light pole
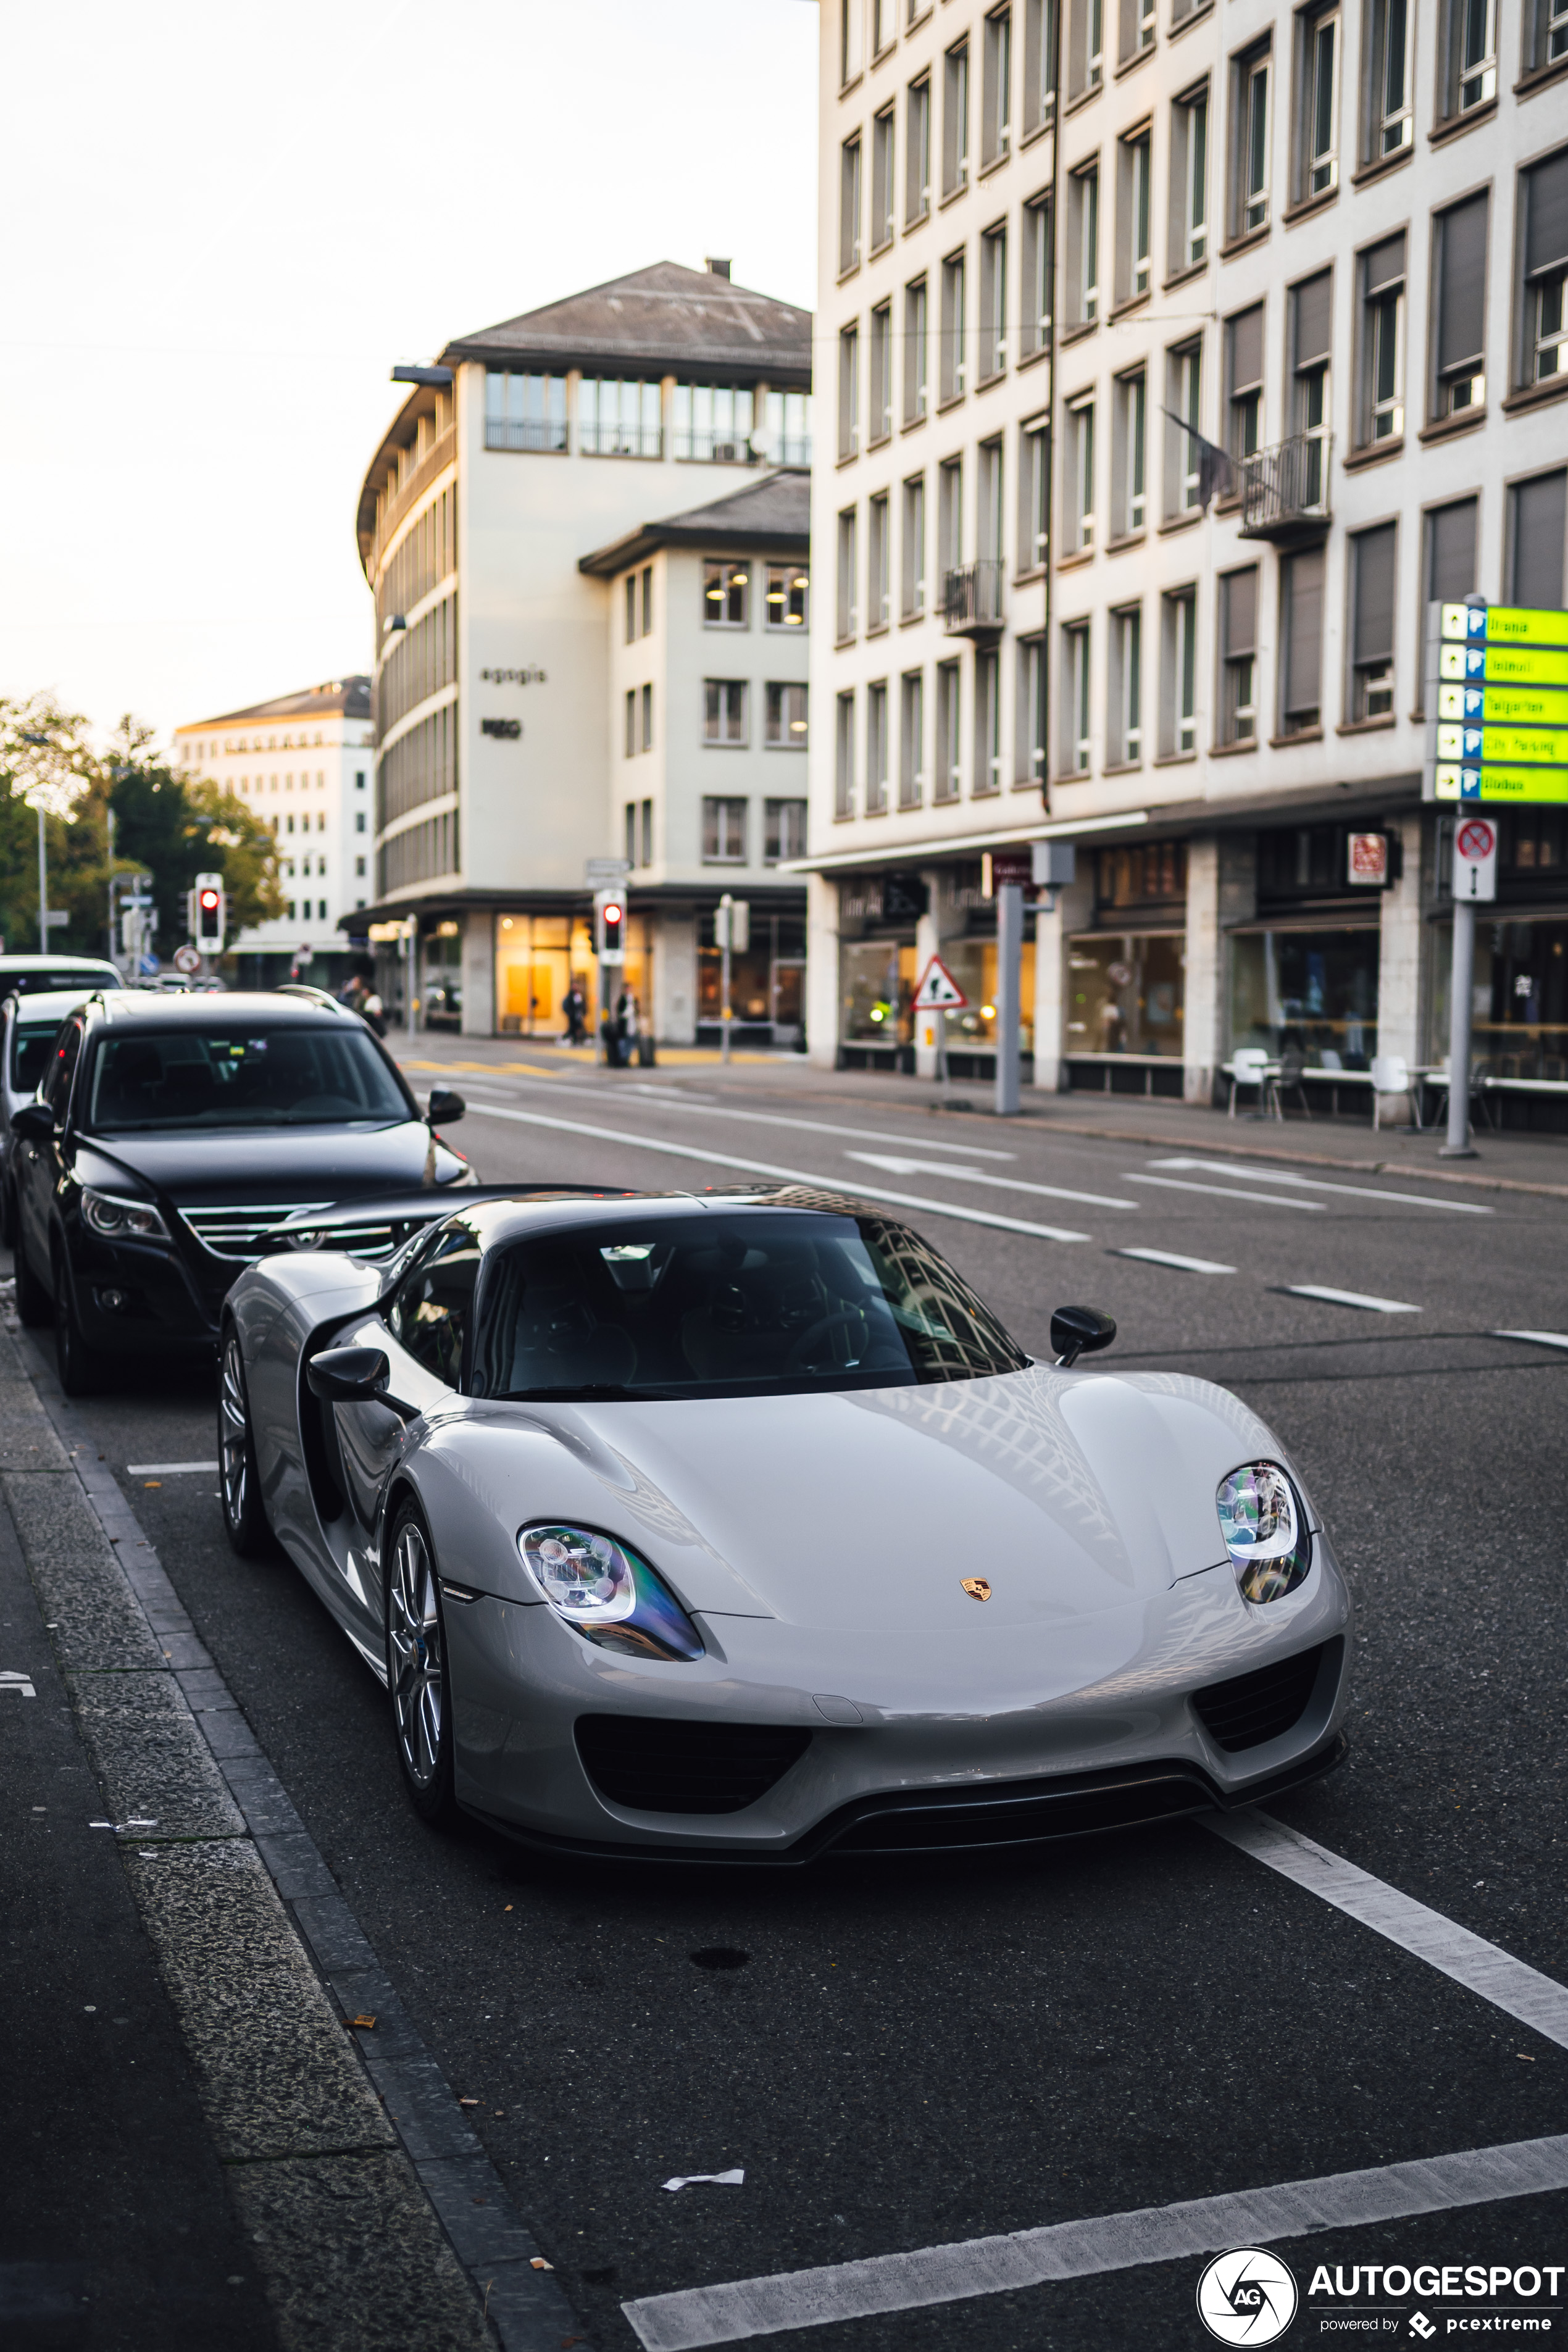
43, 867
727, 923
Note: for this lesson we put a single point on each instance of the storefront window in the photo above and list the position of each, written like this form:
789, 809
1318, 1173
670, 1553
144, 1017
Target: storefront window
877, 982
441, 988
1127, 992
538, 957
973, 963
1518, 1026
1315, 992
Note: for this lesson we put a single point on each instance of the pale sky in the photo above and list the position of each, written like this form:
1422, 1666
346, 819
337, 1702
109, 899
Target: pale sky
224, 225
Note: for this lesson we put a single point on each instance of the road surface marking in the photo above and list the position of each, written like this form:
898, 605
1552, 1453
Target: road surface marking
1226, 1192
1321, 1184
1537, 1339
787, 1175
1510, 1985
164, 1469
1172, 1257
677, 1101
897, 1167
14, 1679
745, 2308
1348, 1298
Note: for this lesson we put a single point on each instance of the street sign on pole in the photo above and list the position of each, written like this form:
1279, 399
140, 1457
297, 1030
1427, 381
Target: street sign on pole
188, 959
1497, 696
937, 990
1475, 859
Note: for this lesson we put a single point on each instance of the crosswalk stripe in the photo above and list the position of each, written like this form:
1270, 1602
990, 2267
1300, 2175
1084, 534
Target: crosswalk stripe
896, 1166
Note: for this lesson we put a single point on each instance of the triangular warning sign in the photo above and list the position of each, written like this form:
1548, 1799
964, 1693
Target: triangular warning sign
939, 992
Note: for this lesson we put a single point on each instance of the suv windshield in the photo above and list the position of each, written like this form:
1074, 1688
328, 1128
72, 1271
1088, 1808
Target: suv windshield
188, 1078
762, 1304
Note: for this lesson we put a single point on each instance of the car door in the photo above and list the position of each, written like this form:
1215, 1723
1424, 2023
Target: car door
38, 1164
422, 1327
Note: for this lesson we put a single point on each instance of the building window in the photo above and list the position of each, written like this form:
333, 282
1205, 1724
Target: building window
631, 607
879, 424
849, 205
629, 847
955, 377
882, 157
1125, 732
1184, 386
1034, 710
1086, 46
884, 26
631, 733
525, 412
1537, 512
1450, 566
1189, 213
1130, 437
1238, 643
1083, 247
1382, 405
1039, 64
849, 392
1311, 326
949, 516
617, 419
714, 421
1548, 41
789, 587
912, 738
647, 600
786, 436
878, 558
1317, 102
992, 303
784, 725
915, 395
949, 739
849, 15
912, 599
1179, 670
359, 820
1388, 125
849, 618
1075, 698
1137, 29
1458, 331
844, 756
723, 833
647, 832
916, 151
1035, 289
877, 748
955, 120
359, 872
1132, 196
1372, 622
1080, 475
988, 519
724, 710
784, 831
726, 595
988, 722
1243, 381
1034, 495
1469, 64
1543, 196
1301, 629
1249, 152
996, 91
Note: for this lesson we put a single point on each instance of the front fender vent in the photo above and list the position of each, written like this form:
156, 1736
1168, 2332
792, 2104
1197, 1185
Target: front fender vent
658, 1764
1263, 1705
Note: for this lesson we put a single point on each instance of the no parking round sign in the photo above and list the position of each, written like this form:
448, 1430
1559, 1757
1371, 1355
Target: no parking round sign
1475, 857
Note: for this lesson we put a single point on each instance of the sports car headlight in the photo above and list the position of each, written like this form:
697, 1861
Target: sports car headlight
607, 1592
111, 1214
1264, 1529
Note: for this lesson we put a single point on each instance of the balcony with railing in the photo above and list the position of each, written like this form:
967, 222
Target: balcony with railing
1285, 490
972, 599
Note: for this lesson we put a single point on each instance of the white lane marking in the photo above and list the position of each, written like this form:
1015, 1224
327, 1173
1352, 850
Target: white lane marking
896, 1167
811, 1125
14, 1679
164, 1469
1348, 1298
789, 1175
744, 2308
1321, 1184
1225, 1192
1510, 1985
1538, 1338
1173, 1257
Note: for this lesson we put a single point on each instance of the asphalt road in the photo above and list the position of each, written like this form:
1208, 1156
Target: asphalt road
917, 2054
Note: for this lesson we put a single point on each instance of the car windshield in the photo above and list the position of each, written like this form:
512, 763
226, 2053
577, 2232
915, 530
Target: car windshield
769, 1303
85, 978
228, 1076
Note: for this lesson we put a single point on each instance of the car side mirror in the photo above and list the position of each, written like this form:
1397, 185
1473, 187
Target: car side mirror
1079, 1331
446, 1106
349, 1375
34, 1122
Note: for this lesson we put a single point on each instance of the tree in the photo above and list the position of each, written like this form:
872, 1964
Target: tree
47, 762
177, 829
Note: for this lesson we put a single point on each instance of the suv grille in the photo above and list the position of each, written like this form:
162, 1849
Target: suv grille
653, 1765
1251, 1708
243, 1232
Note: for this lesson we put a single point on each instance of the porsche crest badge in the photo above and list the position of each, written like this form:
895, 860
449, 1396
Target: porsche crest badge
977, 1587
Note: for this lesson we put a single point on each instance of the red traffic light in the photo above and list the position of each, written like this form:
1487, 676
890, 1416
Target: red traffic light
210, 899
613, 914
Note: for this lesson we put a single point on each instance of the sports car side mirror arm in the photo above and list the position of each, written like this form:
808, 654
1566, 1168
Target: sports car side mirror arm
355, 1376
1079, 1331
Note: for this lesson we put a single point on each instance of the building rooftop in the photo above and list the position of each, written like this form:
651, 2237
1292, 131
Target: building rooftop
350, 695
771, 514
665, 316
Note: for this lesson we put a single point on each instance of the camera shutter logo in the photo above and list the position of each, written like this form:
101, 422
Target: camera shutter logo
1246, 2297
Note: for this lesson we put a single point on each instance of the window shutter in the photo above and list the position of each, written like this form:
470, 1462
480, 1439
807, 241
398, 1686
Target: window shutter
1246, 348
1462, 290
1303, 630
1240, 612
1374, 594
1540, 513
1451, 552
1546, 216
1384, 265
1314, 307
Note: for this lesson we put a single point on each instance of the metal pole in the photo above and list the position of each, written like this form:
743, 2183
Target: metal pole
725, 920
1009, 958
1458, 1146
940, 1018
42, 888
411, 957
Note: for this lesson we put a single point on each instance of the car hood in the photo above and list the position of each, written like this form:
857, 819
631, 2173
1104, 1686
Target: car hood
1068, 1493
278, 1165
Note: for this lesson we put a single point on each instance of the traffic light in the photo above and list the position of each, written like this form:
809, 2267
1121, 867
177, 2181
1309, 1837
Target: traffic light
609, 925
211, 913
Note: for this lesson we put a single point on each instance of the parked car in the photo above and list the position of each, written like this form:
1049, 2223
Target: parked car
29, 1027
36, 975
175, 1139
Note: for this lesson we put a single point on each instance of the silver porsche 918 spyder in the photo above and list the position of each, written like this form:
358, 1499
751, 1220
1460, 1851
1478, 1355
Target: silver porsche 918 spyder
737, 1526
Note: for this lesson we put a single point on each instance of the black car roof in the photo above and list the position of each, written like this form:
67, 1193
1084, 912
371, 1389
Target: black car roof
507, 1220
141, 1009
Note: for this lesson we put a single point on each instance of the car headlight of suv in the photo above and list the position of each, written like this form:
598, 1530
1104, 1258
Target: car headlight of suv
607, 1592
1264, 1524
118, 1219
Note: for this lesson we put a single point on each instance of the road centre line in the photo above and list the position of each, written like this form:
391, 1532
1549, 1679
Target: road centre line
1225, 1192
896, 1166
822, 1126
1173, 1257
789, 1175
164, 1469
1536, 1338
1347, 1298
1321, 1184
1510, 1985
745, 2308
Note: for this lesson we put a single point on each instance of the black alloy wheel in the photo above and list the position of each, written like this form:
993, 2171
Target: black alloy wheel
416, 1667
80, 1366
239, 1479
35, 1307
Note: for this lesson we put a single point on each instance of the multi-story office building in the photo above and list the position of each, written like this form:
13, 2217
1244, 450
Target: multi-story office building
1332, 240
586, 533
304, 764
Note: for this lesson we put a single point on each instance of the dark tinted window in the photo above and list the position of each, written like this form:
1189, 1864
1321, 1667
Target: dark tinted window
763, 1304
226, 1076
429, 1310
30, 1054
60, 1068
38, 983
